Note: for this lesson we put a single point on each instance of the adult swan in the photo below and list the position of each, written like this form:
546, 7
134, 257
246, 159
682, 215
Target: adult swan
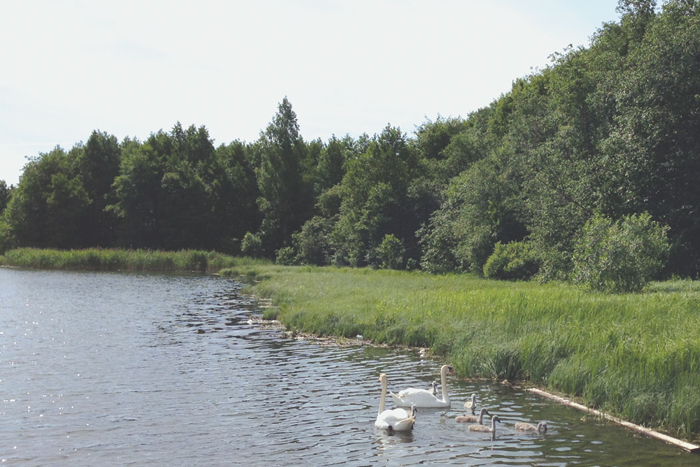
423, 397
395, 419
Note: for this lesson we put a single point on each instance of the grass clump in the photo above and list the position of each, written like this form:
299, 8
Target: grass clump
123, 260
634, 355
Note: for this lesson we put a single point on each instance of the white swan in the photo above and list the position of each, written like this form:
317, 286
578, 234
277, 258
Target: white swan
486, 429
540, 428
423, 397
395, 419
473, 418
471, 404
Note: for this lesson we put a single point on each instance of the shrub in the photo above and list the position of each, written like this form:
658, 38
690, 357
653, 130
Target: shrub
512, 261
312, 241
5, 237
286, 256
620, 256
411, 264
251, 245
391, 252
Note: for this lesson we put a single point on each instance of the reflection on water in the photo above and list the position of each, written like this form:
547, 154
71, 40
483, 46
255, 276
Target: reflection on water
119, 369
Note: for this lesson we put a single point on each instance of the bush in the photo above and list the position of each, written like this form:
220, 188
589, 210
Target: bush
5, 237
620, 256
512, 261
312, 241
286, 256
411, 264
251, 245
391, 252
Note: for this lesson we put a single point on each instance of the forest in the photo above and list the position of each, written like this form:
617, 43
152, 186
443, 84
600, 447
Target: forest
586, 171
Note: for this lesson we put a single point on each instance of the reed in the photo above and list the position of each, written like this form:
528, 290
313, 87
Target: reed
123, 260
634, 355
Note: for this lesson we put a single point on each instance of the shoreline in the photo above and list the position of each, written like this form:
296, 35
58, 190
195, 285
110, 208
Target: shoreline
692, 448
615, 351
425, 352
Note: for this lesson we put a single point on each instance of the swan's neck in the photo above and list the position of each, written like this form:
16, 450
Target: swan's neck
481, 417
381, 401
443, 381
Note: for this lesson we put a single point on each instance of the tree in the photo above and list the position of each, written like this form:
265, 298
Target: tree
374, 199
188, 190
235, 205
654, 147
137, 194
5, 192
98, 166
49, 208
331, 163
481, 208
285, 200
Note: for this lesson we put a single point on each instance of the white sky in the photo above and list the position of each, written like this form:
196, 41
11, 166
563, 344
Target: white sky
131, 68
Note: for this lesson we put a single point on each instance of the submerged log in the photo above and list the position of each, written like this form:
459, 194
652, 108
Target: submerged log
654, 434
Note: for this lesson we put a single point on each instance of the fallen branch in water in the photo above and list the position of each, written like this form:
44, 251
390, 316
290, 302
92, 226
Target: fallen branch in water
655, 434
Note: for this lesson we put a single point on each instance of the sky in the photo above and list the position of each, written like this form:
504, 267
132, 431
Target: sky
131, 68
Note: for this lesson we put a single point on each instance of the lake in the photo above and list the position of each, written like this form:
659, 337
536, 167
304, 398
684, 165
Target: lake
147, 369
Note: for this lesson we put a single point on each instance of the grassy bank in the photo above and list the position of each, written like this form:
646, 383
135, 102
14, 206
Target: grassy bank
123, 260
636, 355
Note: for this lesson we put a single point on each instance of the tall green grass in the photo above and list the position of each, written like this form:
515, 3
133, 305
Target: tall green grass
123, 260
635, 355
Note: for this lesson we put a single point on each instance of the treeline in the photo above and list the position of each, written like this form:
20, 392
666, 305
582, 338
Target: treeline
591, 161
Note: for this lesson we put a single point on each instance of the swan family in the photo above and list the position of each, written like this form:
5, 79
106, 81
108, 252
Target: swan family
402, 419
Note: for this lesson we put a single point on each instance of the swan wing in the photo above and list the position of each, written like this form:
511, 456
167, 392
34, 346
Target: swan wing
396, 419
481, 428
467, 419
381, 423
417, 397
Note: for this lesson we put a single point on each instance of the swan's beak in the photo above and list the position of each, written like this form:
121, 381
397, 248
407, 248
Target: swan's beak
450, 370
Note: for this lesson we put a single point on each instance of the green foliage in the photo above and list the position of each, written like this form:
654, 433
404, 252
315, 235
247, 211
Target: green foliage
286, 199
286, 256
235, 191
4, 195
186, 218
49, 206
98, 165
6, 240
391, 253
512, 261
620, 256
479, 211
251, 245
411, 264
312, 241
375, 199
123, 260
332, 160
433, 137
136, 192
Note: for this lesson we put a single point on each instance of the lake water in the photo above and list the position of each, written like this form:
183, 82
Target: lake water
129, 369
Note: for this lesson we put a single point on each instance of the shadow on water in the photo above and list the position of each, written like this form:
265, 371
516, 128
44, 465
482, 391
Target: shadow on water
119, 369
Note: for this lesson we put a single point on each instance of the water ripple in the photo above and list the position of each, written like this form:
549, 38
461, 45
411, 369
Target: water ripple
119, 369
